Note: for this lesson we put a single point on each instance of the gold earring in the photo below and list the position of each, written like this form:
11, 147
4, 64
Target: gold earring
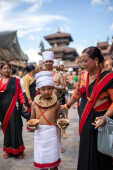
97, 63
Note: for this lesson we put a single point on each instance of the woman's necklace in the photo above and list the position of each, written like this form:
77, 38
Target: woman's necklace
95, 86
92, 78
3, 84
4, 80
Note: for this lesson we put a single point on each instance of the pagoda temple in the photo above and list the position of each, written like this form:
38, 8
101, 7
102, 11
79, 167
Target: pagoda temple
59, 42
106, 49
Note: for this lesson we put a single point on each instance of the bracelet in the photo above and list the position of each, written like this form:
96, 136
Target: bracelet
68, 105
65, 106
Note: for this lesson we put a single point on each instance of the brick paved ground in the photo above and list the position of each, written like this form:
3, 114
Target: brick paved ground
69, 158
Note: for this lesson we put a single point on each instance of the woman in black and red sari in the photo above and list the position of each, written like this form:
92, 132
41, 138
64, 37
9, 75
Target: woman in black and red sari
10, 117
96, 104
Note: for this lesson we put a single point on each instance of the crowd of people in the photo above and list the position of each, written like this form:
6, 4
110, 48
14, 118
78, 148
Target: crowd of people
40, 93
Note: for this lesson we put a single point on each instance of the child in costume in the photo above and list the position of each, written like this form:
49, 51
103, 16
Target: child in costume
46, 108
49, 62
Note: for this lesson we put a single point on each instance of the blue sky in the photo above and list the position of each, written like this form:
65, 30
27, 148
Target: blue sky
88, 21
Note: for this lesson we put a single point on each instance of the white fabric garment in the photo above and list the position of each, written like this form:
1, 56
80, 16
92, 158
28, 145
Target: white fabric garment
43, 73
48, 56
56, 63
44, 78
46, 146
70, 69
44, 81
22, 85
61, 63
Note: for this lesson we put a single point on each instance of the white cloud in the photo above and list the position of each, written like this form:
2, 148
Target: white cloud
110, 8
31, 37
36, 24
80, 46
25, 22
28, 21
65, 28
35, 4
99, 1
33, 55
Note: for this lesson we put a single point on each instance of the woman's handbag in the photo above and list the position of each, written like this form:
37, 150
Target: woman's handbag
105, 138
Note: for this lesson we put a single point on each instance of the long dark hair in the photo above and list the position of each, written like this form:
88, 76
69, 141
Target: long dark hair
94, 52
30, 68
3, 64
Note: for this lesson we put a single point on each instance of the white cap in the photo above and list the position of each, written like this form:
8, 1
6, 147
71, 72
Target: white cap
70, 69
56, 63
47, 55
61, 63
44, 78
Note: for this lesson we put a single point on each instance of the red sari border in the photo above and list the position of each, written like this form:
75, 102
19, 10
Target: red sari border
47, 165
10, 110
13, 150
103, 106
90, 104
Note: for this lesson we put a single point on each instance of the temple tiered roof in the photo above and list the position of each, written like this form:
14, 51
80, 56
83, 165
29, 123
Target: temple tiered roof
106, 49
9, 47
59, 42
10, 50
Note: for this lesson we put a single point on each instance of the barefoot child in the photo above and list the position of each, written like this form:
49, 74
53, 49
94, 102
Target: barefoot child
45, 107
